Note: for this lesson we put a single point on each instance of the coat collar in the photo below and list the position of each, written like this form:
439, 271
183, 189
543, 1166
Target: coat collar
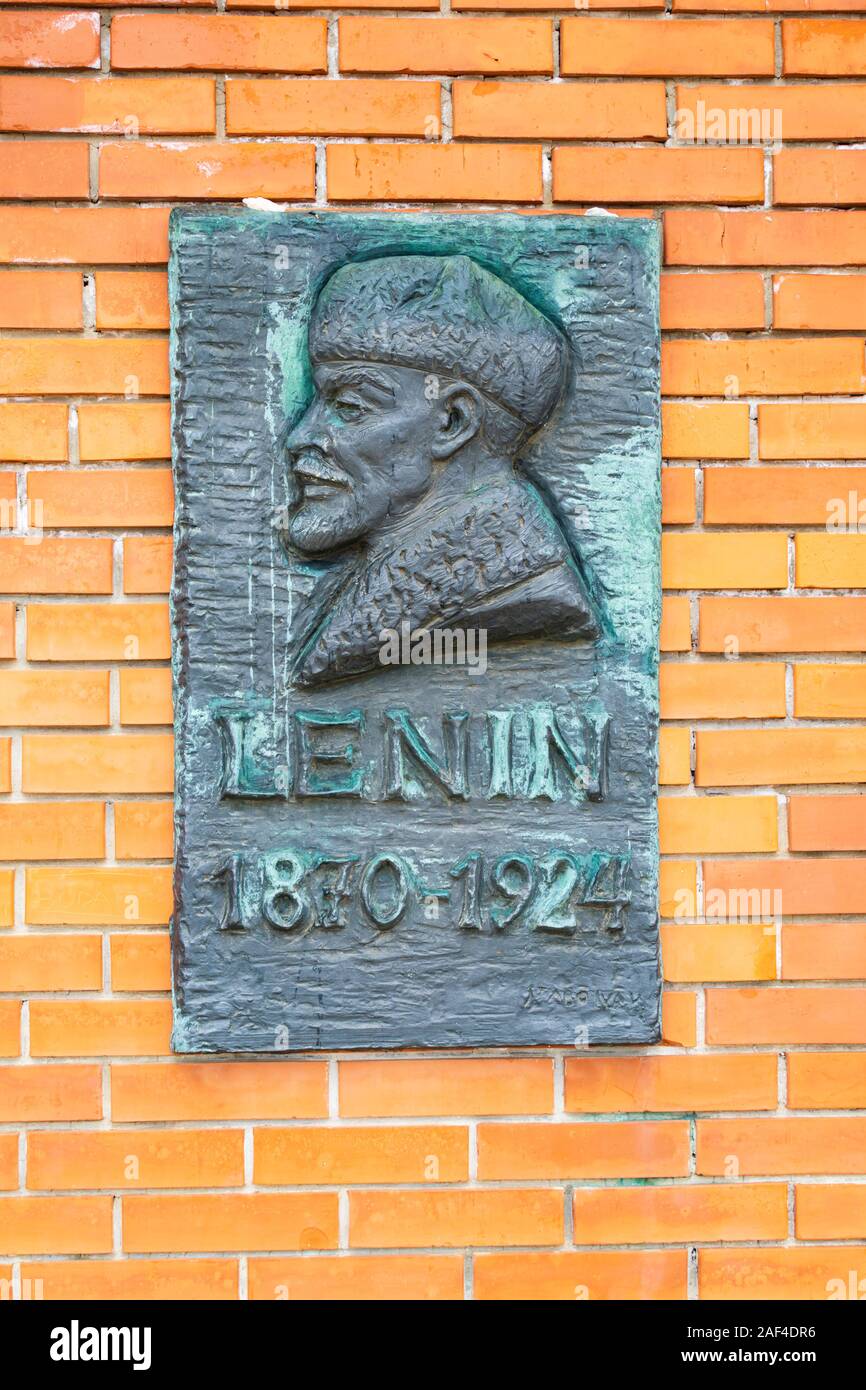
497, 559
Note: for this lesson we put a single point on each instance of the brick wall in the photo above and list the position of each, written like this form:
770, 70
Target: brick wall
729, 1161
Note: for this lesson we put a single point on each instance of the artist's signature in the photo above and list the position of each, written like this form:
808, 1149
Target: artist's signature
609, 1000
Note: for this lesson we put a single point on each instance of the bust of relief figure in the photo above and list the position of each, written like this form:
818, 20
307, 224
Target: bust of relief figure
431, 376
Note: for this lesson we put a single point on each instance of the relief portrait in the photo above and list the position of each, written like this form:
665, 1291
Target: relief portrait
431, 375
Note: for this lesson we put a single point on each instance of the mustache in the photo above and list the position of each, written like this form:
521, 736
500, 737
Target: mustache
310, 465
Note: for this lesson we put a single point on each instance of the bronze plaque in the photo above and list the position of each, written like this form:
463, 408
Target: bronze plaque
415, 603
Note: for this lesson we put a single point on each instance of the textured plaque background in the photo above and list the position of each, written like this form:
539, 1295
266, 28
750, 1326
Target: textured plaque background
242, 287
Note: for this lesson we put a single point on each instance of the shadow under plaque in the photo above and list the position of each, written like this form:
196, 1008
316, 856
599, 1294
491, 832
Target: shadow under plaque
415, 616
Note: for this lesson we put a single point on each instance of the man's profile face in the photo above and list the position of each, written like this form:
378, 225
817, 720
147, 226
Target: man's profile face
360, 455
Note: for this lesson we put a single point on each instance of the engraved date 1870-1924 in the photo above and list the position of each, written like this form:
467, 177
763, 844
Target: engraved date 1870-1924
298, 890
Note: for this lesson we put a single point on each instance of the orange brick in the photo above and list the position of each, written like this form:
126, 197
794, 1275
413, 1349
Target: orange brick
61, 170
722, 690
418, 173
255, 1221
442, 1086
679, 1018
8, 1164
705, 1211
147, 564
10, 1028
623, 1085
54, 698
818, 46
140, 961
795, 1015
365, 5
7, 630
274, 106
50, 1093
97, 763
827, 822
813, 887
591, 1149
101, 497
101, 1028
795, 1272
392, 1278
58, 1161
823, 951
762, 366
675, 634
143, 829
216, 169
665, 175
783, 624
819, 176
815, 430
136, 1280
820, 301
713, 237
718, 824
563, 111
770, 6
675, 757
827, 1080
702, 430
718, 951
101, 897
834, 561
33, 432
543, 5
679, 506
825, 1212
57, 829
779, 495
677, 885
52, 39
770, 1147
39, 298
746, 560
7, 885
5, 773
145, 697
446, 45
132, 299
97, 632
596, 1275
55, 565
368, 1154
273, 1090
249, 43
822, 111
84, 366
105, 236
34, 962
830, 692
712, 301
730, 758
56, 1225
665, 48
389, 1220
108, 105
129, 431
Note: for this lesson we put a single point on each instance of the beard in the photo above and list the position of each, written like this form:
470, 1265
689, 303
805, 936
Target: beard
318, 526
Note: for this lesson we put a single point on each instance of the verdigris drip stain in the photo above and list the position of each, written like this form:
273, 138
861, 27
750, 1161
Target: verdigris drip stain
415, 612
